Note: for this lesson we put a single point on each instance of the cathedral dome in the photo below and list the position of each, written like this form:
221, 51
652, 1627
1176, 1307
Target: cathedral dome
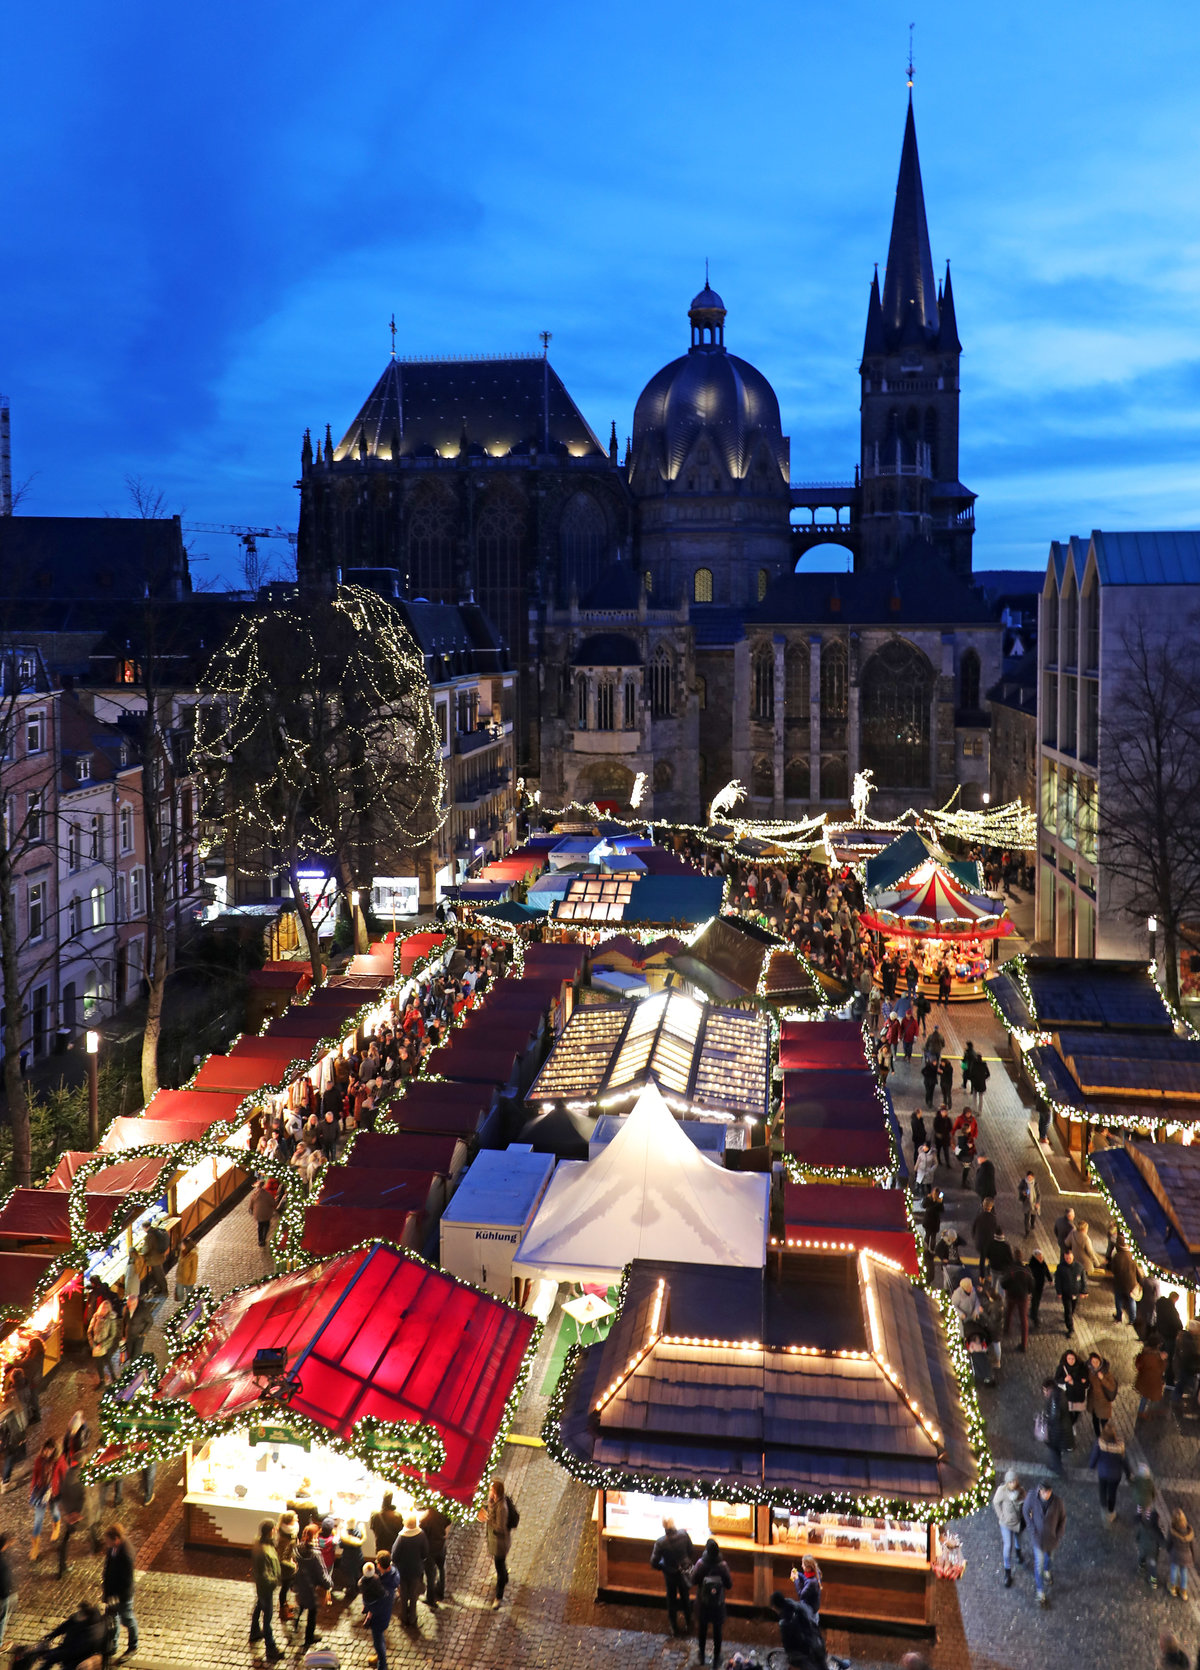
707, 391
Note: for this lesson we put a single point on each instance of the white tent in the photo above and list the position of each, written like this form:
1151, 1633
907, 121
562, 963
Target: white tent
650, 1194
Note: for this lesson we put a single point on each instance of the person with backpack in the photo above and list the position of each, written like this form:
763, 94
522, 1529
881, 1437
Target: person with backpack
674, 1555
711, 1577
502, 1519
799, 1634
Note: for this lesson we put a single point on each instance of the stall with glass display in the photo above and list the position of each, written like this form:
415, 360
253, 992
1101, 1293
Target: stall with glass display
364, 1372
839, 1428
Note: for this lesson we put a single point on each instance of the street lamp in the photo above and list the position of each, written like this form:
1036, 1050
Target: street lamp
987, 799
1152, 924
92, 1045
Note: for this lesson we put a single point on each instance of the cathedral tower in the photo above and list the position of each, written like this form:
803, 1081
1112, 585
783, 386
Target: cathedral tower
912, 499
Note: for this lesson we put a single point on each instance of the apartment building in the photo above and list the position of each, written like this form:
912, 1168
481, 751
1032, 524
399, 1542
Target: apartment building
28, 750
1096, 592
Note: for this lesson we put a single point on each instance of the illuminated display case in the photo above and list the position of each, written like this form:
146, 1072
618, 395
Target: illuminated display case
824, 1534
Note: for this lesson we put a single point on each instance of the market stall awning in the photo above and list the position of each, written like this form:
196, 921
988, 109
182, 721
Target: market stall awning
121, 1177
835, 1119
294, 978
461, 1109
370, 1333
270, 1052
492, 1060
407, 1151
1157, 1205
41, 1215
650, 1194
416, 947
815, 1214
303, 1022
821, 1044
20, 1276
192, 1105
142, 1133
567, 961
242, 1073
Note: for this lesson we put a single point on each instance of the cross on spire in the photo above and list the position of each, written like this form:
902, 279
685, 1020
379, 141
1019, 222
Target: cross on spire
911, 27
545, 339
392, 328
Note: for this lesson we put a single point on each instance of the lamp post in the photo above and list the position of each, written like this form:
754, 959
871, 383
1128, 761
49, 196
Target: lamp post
1152, 924
355, 895
92, 1043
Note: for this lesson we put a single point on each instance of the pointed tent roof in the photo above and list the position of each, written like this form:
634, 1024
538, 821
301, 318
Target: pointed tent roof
909, 290
650, 1194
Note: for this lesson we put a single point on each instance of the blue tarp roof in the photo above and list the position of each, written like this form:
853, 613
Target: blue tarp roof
1155, 1237
664, 899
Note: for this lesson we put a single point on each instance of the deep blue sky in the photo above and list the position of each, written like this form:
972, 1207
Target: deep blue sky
210, 216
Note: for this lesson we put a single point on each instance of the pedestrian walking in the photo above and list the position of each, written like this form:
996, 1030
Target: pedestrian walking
1052, 1426
8, 1586
1102, 1391
1180, 1554
139, 1319
923, 1007
435, 1525
966, 1133
946, 1080
1063, 1225
934, 1045
502, 1519
1149, 1539
287, 1534
41, 1483
980, 1073
917, 1131
943, 1131
1030, 1197
925, 1169
985, 1178
350, 1557
1017, 1287
983, 1232
1149, 1378
1008, 1504
1111, 1465
1046, 1517
187, 1268
1070, 1284
116, 1582
935, 1206
265, 1570
944, 983
104, 1336
309, 1583
263, 1207
70, 1498
1039, 1270
711, 1578
674, 1556
929, 1077
409, 1554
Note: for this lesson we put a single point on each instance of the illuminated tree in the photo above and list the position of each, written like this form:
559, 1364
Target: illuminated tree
317, 736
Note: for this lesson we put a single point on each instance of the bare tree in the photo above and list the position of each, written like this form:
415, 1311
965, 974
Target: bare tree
321, 739
148, 501
1150, 782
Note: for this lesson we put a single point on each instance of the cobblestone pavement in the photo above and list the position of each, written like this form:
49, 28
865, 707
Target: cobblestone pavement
194, 1607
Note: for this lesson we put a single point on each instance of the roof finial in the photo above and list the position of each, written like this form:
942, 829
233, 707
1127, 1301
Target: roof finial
911, 27
706, 272
545, 337
393, 331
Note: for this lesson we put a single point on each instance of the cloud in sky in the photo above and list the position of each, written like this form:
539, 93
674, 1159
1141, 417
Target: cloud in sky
211, 217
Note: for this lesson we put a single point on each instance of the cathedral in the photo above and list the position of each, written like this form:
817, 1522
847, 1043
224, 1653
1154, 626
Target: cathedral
656, 606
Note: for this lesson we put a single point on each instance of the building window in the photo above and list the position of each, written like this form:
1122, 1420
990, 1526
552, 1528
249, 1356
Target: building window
582, 543
968, 681
1050, 710
763, 579
664, 776
630, 716
796, 778
1070, 724
72, 847
443, 723
99, 914
26, 669
37, 910
834, 779
123, 756
135, 966
95, 838
762, 670
431, 548
35, 733
1070, 628
74, 918
797, 688
604, 706
34, 815
834, 668
649, 576
499, 540
897, 690
83, 768
762, 779
122, 897
126, 828
1050, 627
702, 586
185, 812
581, 703
1090, 740
661, 675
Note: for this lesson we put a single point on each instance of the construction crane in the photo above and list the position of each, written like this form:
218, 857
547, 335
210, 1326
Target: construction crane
248, 536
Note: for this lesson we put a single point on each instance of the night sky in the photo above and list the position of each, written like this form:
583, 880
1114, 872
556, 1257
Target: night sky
210, 216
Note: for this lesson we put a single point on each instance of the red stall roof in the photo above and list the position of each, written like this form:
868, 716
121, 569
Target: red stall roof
407, 1151
876, 1218
41, 1214
374, 1333
137, 1133
306, 1022
241, 1073
457, 1108
331, 1229
192, 1105
821, 1044
289, 979
854, 1150
484, 1058
122, 1177
374, 1186
279, 1050
20, 1273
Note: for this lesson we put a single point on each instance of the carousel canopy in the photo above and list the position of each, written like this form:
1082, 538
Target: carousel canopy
932, 902
371, 1332
908, 853
649, 1194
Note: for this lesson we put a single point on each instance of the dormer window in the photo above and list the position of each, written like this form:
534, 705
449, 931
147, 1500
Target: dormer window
83, 768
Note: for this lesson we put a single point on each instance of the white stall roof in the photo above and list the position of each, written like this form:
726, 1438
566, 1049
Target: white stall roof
500, 1186
650, 1194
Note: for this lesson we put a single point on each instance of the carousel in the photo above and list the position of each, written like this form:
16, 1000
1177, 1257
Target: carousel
934, 919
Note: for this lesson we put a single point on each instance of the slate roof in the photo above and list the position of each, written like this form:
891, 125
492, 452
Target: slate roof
740, 1415
103, 557
455, 637
1074, 992
923, 592
502, 403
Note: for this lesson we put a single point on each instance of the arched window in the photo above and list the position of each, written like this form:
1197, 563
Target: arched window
431, 548
630, 714
581, 703
968, 681
763, 579
762, 693
762, 780
702, 586
649, 581
796, 778
797, 686
661, 677
664, 775
834, 779
897, 687
605, 704
834, 679
582, 544
499, 537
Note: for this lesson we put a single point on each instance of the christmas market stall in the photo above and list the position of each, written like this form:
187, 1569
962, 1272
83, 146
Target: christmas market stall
828, 1216
1097, 1046
931, 919
1153, 1192
818, 1407
649, 1193
838, 1124
320, 1389
490, 1213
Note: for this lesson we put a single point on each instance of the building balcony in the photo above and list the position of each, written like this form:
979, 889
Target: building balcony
470, 742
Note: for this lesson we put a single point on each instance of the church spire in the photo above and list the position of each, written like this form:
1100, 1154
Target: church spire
909, 305
948, 342
874, 342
